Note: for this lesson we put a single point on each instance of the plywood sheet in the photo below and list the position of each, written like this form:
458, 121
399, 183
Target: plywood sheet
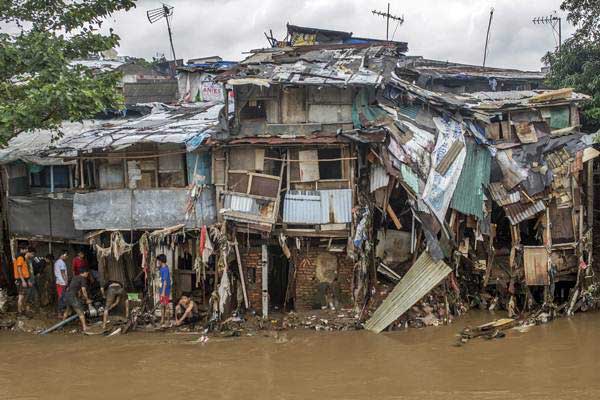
309, 166
535, 260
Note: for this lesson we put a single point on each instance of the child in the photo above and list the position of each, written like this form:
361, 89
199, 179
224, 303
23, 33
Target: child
165, 287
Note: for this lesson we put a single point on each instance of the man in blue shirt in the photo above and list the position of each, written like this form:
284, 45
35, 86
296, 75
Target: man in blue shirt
165, 286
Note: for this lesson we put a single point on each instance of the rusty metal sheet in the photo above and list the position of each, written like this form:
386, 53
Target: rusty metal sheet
520, 212
379, 177
291, 140
501, 196
535, 261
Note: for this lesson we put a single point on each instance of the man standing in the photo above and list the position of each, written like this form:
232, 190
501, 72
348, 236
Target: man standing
77, 286
79, 263
22, 277
165, 287
114, 293
60, 277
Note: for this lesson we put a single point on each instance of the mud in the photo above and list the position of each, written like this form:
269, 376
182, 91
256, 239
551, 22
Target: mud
559, 360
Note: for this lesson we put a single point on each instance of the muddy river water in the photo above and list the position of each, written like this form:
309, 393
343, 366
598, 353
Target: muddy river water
560, 360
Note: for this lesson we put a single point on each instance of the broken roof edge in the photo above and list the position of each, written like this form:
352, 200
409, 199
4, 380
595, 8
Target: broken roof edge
469, 102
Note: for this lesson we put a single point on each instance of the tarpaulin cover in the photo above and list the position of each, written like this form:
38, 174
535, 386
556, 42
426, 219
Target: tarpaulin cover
468, 196
42, 216
440, 188
142, 209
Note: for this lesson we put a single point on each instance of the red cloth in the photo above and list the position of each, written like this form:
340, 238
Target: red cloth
165, 300
203, 233
59, 290
78, 264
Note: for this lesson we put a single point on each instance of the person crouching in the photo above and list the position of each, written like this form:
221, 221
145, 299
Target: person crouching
114, 293
186, 312
77, 287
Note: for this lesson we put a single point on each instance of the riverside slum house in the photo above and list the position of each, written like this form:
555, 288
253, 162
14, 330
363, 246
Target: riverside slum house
112, 186
500, 188
477, 188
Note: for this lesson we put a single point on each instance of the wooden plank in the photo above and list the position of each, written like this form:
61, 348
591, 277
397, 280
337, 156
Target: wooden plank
241, 271
535, 260
309, 169
449, 157
394, 217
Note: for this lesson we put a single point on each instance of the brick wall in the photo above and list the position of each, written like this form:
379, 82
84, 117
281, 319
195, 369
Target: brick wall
252, 262
307, 284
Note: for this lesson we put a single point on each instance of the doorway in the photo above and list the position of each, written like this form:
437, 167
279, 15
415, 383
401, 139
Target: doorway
279, 269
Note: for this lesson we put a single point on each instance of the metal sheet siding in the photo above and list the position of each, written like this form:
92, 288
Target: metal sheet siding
423, 276
379, 177
241, 204
318, 207
468, 196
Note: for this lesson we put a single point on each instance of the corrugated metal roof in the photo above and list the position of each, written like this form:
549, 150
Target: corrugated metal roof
468, 196
379, 177
519, 212
501, 196
318, 207
424, 275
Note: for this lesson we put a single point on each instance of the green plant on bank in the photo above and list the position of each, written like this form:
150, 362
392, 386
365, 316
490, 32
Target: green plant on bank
577, 64
39, 87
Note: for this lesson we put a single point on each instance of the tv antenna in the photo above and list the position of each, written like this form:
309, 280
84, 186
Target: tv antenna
555, 22
165, 12
487, 37
388, 16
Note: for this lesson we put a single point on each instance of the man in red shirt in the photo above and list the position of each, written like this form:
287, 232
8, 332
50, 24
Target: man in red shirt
79, 263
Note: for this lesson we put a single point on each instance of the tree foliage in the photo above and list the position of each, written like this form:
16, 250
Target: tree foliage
577, 64
39, 86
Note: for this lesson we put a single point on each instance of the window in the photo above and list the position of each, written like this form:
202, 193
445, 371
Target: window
330, 169
254, 109
41, 177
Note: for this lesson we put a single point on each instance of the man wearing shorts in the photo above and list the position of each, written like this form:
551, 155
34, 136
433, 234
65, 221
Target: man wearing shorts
23, 277
114, 292
77, 286
165, 286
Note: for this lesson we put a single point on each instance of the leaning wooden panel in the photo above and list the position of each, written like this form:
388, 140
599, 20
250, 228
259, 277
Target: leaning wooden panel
535, 260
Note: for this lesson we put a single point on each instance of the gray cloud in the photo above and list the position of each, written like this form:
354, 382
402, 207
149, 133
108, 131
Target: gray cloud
451, 30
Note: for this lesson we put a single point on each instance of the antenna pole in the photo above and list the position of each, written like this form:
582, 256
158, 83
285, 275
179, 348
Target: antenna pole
387, 25
170, 34
388, 17
559, 34
553, 21
487, 37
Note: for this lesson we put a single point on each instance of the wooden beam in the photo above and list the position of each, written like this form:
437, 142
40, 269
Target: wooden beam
394, 217
241, 271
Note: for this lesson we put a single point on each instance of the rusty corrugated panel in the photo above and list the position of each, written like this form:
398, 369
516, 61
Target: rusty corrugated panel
501, 196
312, 207
424, 275
519, 212
275, 140
379, 177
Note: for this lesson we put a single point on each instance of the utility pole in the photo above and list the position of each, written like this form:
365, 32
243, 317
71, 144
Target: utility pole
555, 22
487, 37
388, 16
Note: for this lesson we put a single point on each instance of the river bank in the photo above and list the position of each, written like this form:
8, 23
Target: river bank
557, 360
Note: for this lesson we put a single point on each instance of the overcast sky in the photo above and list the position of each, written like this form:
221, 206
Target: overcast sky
451, 30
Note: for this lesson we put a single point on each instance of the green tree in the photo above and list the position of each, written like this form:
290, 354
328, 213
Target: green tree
39, 87
577, 64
